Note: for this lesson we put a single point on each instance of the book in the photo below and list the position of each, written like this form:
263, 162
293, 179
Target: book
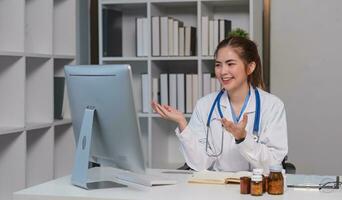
190, 41
112, 33
144, 92
215, 177
194, 90
181, 38
164, 36
180, 93
225, 27
155, 90
66, 108
205, 36
164, 89
216, 34
155, 36
188, 93
170, 36
140, 35
173, 90
145, 36
176, 25
211, 37
206, 80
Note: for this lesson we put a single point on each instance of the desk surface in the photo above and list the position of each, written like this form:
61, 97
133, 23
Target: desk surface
61, 189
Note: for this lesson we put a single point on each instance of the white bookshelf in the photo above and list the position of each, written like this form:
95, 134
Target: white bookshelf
37, 38
160, 141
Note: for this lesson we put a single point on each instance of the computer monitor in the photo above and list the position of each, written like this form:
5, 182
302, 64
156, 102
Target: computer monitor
104, 119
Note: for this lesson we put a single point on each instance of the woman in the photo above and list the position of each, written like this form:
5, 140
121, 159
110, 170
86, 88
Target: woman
258, 139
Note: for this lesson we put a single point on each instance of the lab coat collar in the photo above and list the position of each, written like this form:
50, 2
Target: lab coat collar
227, 110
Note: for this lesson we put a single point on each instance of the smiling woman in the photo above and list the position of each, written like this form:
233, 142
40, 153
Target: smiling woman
252, 129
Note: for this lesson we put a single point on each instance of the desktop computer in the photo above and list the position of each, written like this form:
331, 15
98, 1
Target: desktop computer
105, 123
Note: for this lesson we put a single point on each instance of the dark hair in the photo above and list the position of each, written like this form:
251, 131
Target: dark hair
247, 50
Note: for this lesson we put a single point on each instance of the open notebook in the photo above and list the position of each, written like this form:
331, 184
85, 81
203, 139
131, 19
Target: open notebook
214, 177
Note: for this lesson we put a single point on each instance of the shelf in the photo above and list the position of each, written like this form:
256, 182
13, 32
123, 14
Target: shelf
12, 25
38, 55
143, 115
62, 122
174, 58
11, 54
64, 56
187, 115
162, 143
12, 87
8, 130
64, 27
12, 164
106, 59
208, 58
39, 93
35, 37
64, 149
39, 144
38, 21
37, 125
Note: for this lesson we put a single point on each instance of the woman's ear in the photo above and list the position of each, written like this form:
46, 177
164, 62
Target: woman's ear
251, 68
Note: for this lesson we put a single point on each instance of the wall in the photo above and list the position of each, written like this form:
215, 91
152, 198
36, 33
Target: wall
306, 65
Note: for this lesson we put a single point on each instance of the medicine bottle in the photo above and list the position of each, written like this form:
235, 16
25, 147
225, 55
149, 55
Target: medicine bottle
275, 180
245, 185
260, 172
256, 185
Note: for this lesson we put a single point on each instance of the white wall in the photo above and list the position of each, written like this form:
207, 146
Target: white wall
306, 68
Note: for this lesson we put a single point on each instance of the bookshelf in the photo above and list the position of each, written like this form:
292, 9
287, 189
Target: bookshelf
161, 146
37, 38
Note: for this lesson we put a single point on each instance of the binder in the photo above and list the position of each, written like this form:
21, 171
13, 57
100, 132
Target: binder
180, 93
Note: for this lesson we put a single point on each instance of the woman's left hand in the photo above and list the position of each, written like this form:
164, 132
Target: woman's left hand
237, 130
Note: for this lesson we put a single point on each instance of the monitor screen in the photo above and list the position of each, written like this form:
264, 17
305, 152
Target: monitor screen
115, 133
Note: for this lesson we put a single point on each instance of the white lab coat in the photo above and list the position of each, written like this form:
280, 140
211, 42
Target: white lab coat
271, 148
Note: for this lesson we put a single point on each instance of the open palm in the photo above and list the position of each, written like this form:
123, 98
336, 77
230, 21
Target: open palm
237, 130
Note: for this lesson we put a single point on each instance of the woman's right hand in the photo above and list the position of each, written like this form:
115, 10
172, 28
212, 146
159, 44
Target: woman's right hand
170, 113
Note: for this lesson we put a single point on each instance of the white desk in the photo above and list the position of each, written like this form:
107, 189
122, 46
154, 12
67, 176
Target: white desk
61, 189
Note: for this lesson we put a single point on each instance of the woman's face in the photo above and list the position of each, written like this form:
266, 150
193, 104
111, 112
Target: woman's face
230, 69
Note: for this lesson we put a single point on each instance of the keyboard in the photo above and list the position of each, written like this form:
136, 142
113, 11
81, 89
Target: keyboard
144, 179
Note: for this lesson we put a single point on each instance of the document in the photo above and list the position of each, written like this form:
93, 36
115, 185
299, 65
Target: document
215, 177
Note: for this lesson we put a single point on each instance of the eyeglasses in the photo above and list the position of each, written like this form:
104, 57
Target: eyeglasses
209, 141
330, 185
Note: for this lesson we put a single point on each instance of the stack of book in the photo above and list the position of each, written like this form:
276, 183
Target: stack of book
213, 31
171, 38
177, 90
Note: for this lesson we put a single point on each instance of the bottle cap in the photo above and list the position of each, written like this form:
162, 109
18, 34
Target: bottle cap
258, 171
276, 168
256, 178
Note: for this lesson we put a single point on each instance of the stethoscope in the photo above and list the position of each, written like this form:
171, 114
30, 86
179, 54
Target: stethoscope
217, 104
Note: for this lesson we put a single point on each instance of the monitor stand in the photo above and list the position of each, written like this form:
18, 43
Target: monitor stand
80, 176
